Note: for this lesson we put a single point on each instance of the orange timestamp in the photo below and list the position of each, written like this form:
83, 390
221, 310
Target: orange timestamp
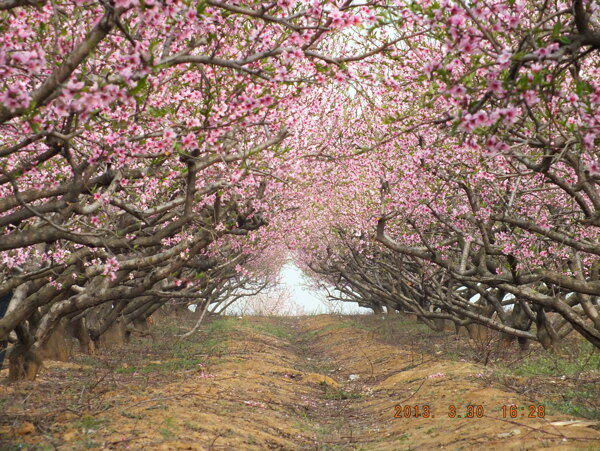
470, 411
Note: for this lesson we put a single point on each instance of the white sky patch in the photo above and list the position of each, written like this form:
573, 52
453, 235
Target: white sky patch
294, 295
313, 301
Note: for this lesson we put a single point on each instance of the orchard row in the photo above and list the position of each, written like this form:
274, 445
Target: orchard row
437, 158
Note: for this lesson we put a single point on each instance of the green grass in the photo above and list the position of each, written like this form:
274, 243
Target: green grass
19, 446
356, 322
576, 362
209, 341
88, 360
575, 365
570, 362
90, 444
308, 335
341, 324
274, 330
578, 410
90, 424
338, 394
222, 325
135, 416
168, 431
193, 427
578, 402
169, 366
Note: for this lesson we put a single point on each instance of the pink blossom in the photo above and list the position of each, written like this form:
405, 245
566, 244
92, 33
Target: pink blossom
493, 146
595, 97
536, 67
24, 57
457, 19
126, 3
545, 52
531, 98
353, 20
337, 18
339, 77
75, 106
189, 141
54, 283
436, 375
511, 115
479, 11
169, 134
369, 18
285, 4
75, 86
191, 14
588, 140
457, 91
111, 267
480, 119
15, 98
504, 58
266, 100
495, 86
126, 73
513, 22
467, 45
255, 404
431, 66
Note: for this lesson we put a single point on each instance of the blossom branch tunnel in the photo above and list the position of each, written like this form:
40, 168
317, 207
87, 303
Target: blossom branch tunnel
435, 159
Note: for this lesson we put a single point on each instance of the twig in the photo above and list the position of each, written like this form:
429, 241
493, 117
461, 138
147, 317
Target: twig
414, 393
210, 447
558, 433
370, 363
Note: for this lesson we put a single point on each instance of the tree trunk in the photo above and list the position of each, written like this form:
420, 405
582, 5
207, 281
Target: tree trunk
59, 345
23, 361
3, 346
81, 333
519, 320
4, 301
478, 332
116, 335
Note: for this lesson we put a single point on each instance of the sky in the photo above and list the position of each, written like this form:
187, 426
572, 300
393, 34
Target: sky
294, 284
313, 301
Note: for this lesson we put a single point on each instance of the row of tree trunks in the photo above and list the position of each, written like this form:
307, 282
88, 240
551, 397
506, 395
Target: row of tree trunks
102, 328
4, 301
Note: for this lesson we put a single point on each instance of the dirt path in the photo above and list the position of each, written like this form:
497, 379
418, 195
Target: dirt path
311, 383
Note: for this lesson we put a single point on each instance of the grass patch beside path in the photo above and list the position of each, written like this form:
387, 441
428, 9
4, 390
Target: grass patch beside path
570, 360
209, 341
336, 393
566, 380
274, 329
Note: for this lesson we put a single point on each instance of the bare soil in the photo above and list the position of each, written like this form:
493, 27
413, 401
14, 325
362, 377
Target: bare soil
318, 383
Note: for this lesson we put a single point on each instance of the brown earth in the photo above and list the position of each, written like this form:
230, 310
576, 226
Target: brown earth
271, 383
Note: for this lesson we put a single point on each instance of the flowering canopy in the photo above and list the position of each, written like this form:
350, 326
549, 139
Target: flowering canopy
435, 157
